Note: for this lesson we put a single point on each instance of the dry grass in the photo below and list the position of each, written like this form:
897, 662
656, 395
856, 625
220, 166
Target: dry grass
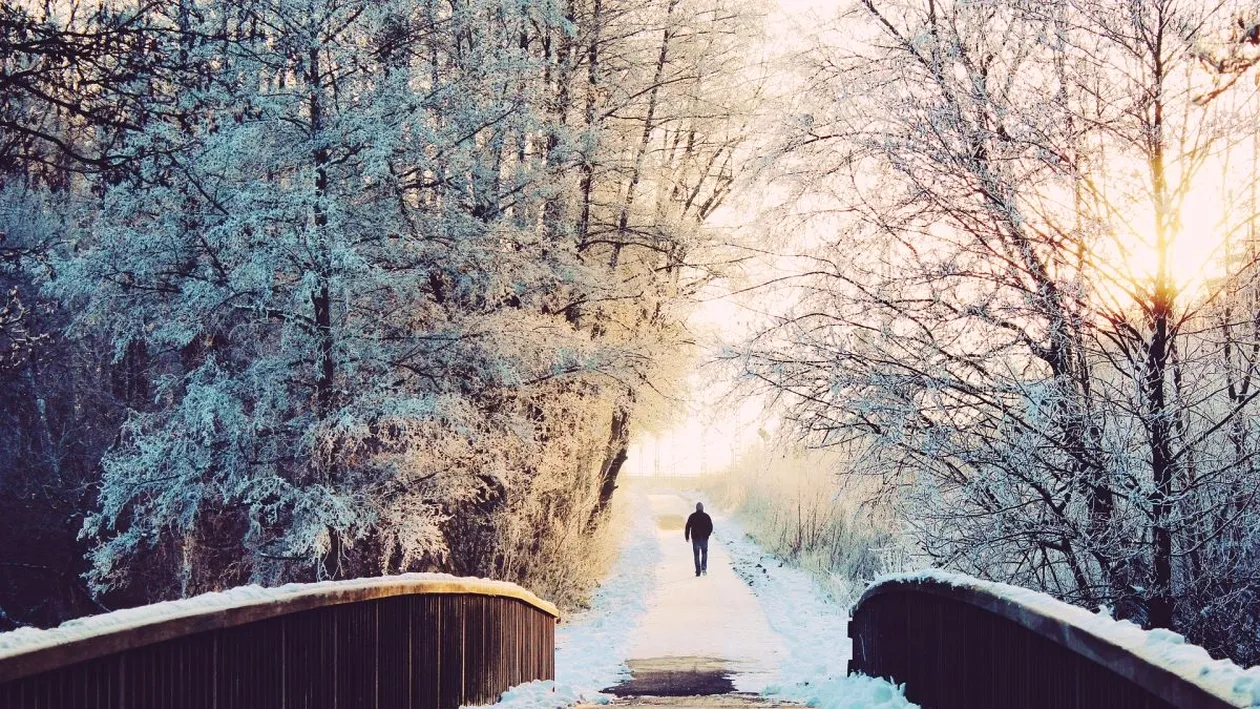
803, 508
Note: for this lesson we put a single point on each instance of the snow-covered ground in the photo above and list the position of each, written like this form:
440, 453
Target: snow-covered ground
591, 648
774, 626
807, 620
716, 616
770, 623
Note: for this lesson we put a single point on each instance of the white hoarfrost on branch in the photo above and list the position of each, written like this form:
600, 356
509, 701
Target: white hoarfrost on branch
1031, 314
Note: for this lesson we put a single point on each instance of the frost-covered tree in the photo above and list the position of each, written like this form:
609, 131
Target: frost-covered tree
999, 322
659, 99
317, 260
73, 80
379, 286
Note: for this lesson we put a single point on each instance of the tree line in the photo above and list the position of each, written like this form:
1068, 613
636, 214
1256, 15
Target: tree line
306, 289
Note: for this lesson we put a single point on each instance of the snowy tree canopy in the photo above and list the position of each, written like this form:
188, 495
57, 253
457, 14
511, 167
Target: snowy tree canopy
388, 283
1033, 312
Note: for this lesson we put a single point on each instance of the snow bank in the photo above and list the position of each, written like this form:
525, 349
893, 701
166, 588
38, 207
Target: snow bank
591, 646
814, 628
1159, 647
591, 649
24, 640
539, 694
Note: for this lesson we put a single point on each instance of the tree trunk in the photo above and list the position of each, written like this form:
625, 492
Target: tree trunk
1159, 418
592, 92
614, 457
321, 299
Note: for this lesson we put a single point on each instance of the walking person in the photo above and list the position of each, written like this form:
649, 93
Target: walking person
699, 527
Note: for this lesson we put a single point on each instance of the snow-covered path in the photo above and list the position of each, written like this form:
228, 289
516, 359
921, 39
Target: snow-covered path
714, 616
763, 627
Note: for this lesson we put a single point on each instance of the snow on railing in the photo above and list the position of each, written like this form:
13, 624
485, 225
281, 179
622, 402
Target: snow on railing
363, 642
955, 640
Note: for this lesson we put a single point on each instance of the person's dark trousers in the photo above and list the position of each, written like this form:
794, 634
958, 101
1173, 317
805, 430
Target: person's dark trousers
700, 548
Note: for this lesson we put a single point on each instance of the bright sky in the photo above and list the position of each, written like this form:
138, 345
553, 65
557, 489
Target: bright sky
1196, 251
716, 430
712, 435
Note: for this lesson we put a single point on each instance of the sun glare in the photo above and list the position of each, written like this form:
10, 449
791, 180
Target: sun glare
1194, 253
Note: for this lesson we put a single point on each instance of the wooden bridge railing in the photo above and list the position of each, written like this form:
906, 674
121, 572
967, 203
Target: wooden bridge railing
956, 642
417, 641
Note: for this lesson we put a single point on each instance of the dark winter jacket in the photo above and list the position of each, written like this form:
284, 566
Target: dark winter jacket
699, 525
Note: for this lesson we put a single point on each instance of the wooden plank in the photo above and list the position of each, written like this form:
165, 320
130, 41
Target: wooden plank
452, 648
310, 657
357, 659
246, 667
393, 655
425, 637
